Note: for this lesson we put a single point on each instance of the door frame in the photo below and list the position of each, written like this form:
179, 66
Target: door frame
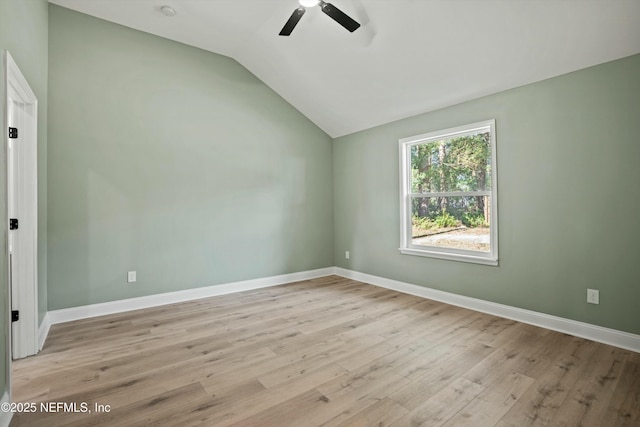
15, 86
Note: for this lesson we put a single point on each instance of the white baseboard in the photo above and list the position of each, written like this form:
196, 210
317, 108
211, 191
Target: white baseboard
43, 331
5, 417
608, 336
101, 309
572, 327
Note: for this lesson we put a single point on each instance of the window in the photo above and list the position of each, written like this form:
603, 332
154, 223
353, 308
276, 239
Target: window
448, 205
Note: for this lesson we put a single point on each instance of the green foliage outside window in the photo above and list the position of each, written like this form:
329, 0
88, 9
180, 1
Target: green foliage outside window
451, 165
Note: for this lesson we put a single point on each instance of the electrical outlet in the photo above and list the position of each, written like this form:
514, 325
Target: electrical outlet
131, 276
593, 296
346, 255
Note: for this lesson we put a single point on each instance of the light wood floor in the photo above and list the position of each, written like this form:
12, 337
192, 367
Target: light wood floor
330, 352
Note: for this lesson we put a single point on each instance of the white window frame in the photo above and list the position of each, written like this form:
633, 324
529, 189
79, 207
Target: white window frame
406, 246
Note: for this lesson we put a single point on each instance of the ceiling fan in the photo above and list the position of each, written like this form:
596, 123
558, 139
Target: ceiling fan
334, 13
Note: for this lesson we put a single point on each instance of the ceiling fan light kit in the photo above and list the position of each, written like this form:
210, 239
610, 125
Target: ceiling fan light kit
330, 10
309, 3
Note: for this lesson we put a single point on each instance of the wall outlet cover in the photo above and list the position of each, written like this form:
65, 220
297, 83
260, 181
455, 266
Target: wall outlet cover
593, 296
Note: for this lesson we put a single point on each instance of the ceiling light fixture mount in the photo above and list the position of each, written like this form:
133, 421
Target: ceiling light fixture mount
168, 10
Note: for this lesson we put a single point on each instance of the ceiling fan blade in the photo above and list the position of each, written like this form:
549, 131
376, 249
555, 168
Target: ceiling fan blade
339, 16
293, 21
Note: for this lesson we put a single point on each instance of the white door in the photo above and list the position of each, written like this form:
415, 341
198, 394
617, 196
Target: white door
21, 108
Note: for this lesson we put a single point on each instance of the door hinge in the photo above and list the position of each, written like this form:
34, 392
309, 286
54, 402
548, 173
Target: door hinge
13, 133
13, 224
15, 315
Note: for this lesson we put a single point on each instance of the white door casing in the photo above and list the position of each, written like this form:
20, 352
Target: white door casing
21, 113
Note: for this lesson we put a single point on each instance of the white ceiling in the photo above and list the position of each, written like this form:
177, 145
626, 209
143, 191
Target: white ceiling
409, 56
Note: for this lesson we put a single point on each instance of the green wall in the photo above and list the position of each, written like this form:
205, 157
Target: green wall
568, 176
174, 162
23, 32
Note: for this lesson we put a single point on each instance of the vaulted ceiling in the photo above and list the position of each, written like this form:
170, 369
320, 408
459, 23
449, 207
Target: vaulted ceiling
408, 57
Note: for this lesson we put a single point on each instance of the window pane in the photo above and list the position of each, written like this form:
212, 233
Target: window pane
456, 164
451, 222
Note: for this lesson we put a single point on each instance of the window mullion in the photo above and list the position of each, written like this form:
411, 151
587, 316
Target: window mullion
451, 194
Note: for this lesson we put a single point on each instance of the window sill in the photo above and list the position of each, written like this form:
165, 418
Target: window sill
486, 260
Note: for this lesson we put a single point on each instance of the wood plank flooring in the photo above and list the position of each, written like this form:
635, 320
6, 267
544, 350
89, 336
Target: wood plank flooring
324, 352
